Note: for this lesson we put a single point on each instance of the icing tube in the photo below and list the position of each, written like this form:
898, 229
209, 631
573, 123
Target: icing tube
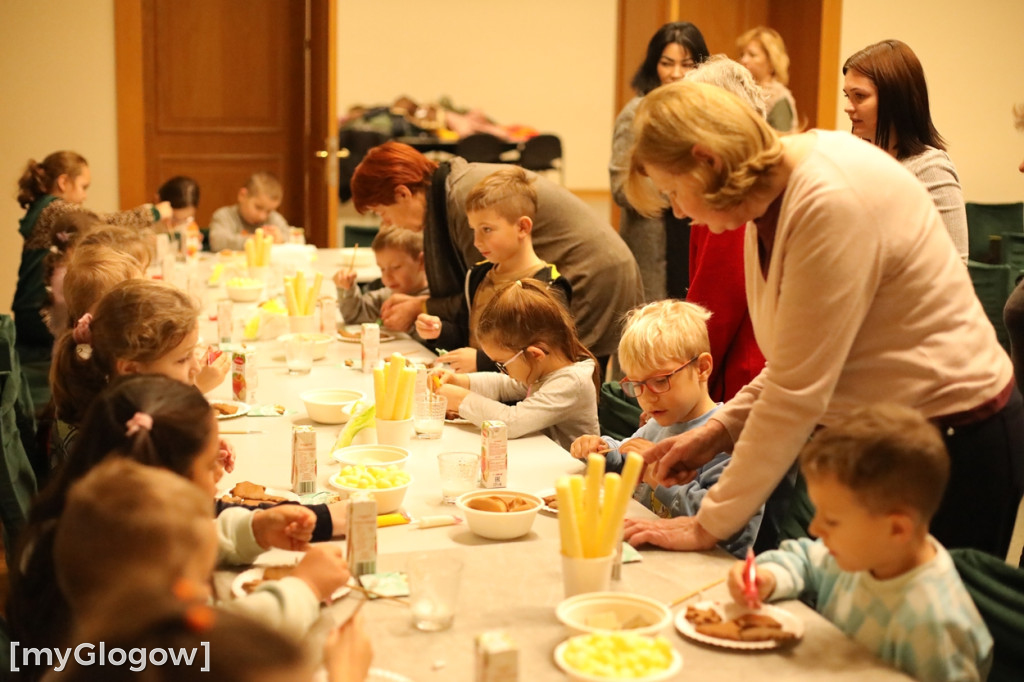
440, 520
395, 519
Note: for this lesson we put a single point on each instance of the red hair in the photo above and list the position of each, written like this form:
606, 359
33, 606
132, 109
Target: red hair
383, 169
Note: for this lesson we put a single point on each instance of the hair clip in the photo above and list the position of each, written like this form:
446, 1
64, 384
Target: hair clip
82, 334
83, 351
519, 283
140, 421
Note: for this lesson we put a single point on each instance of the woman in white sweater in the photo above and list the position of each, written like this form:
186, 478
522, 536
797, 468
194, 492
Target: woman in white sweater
887, 102
856, 296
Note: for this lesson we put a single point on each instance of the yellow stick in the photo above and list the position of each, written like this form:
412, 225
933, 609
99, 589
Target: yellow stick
379, 384
250, 253
567, 521
630, 476
265, 249
289, 297
300, 292
406, 388
394, 373
592, 507
576, 483
314, 293
612, 483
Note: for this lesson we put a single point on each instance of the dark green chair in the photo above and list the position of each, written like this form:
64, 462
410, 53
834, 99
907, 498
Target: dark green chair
992, 285
985, 221
359, 234
17, 436
998, 592
617, 413
1012, 247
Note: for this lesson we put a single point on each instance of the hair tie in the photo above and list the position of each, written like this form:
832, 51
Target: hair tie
519, 283
199, 617
84, 351
82, 333
140, 421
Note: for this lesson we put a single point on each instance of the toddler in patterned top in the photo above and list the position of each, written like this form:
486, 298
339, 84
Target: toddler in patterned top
876, 479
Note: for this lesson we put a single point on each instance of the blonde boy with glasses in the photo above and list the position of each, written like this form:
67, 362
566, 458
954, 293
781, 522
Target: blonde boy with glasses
664, 352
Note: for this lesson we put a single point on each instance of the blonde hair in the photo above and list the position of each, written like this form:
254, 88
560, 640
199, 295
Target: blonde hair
125, 521
93, 270
889, 455
674, 118
526, 313
139, 243
732, 76
138, 320
264, 183
509, 192
663, 332
399, 239
773, 46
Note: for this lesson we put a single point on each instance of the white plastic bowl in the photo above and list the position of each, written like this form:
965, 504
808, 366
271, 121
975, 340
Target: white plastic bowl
499, 525
320, 342
388, 499
667, 674
575, 611
245, 294
372, 455
330, 405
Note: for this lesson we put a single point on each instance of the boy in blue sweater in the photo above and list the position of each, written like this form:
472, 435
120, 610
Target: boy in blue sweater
665, 353
875, 480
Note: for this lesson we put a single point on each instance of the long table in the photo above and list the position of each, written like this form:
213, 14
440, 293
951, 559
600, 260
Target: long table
511, 585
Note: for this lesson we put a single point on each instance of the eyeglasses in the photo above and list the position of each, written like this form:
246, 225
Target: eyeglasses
503, 365
656, 384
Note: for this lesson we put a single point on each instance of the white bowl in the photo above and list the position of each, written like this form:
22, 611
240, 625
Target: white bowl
574, 612
388, 499
667, 674
245, 294
330, 405
320, 342
372, 455
499, 525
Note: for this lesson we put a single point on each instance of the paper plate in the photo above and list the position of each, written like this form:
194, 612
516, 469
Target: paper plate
731, 610
256, 573
243, 408
354, 334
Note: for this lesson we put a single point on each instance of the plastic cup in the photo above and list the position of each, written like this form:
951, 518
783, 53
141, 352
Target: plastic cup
298, 354
460, 472
428, 415
301, 324
394, 432
587, 575
433, 590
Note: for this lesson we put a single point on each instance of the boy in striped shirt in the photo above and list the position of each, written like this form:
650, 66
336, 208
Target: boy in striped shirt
876, 479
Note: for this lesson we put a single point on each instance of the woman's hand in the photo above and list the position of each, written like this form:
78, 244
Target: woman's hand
680, 533
286, 526
677, 459
462, 360
399, 312
428, 326
584, 446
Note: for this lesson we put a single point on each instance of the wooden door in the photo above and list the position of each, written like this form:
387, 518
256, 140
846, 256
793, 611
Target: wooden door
219, 89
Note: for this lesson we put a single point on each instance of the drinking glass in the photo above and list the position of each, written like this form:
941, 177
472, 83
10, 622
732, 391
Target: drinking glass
298, 354
460, 472
433, 590
428, 415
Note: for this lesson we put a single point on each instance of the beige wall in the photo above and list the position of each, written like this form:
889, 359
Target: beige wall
57, 67
971, 57
556, 74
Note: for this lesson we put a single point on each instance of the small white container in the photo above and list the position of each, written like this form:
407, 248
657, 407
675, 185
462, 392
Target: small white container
330, 405
372, 455
499, 525
574, 612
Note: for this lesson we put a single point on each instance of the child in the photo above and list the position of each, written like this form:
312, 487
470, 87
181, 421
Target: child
257, 207
182, 193
876, 479
551, 377
664, 352
500, 209
399, 255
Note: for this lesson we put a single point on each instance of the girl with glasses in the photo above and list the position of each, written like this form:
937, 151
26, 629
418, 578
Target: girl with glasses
548, 375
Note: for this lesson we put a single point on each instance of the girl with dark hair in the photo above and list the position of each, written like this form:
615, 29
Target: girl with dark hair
672, 52
546, 372
887, 102
182, 193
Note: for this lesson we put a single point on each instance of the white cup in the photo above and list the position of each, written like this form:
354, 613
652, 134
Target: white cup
298, 354
587, 575
394, 432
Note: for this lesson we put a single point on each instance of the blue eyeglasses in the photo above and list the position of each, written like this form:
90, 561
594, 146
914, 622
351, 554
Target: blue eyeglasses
656, 384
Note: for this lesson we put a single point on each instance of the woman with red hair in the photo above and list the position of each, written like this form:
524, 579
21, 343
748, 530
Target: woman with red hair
407, 189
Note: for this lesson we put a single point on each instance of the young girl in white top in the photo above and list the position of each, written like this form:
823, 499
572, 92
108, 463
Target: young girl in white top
550, 376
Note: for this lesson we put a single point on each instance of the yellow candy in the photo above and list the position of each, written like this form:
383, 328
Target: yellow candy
618, 655
359, 476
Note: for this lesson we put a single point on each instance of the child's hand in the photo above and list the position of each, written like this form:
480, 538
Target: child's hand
348, 652
587, 445
446, 376
428, 326
323, 569
164, 209
286, 526
462, 360
345, 279
273, 232
226, 456
454, 394
765, 584
211, 375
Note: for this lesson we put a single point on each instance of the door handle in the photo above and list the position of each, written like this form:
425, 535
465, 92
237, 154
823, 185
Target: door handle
342, 153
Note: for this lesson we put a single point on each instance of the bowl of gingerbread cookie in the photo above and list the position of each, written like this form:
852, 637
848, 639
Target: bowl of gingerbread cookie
499, 515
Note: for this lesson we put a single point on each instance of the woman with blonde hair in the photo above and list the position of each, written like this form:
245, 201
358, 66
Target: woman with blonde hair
856, 296
763, 52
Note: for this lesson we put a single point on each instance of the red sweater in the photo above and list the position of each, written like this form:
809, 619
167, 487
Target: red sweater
717, 283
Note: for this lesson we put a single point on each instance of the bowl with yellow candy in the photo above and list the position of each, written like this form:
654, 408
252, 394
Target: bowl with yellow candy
388, 485
244, 289
602, 656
